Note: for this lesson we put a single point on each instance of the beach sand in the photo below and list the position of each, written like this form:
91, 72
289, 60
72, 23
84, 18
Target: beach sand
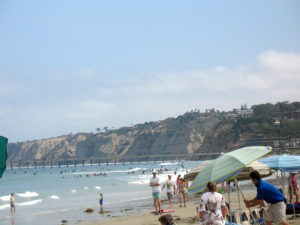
182, 215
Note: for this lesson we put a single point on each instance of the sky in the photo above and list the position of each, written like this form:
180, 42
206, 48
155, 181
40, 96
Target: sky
69, 66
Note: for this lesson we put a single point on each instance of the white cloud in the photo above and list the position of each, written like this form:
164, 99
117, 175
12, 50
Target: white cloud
278, 62
105, 101
272, 72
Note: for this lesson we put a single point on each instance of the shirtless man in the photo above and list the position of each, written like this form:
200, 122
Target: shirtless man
12, 204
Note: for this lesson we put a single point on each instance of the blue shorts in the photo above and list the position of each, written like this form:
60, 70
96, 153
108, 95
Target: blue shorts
101, 201
156, 195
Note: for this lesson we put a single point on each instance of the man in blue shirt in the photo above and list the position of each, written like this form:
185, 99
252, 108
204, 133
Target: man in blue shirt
269, 193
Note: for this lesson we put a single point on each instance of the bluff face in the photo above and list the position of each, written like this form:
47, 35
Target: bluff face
184, 134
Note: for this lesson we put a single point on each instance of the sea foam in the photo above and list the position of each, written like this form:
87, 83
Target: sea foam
167, 164
4, 206
97, 187
28, 194
139, 182
5, 198
54, 197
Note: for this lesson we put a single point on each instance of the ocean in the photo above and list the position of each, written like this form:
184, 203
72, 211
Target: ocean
50, 195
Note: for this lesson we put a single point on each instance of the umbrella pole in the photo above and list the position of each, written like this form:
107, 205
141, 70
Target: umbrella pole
228, 193
238, 193
238, 188
282, 181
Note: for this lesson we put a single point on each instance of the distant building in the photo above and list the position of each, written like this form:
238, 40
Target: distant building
238, 113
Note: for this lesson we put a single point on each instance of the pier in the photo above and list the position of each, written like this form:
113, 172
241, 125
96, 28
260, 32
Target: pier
140, 159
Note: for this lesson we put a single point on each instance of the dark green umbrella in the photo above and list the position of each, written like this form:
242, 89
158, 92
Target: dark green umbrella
3, 154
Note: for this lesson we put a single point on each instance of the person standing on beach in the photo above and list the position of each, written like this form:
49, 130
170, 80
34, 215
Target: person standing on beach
178, 180
170, 189
181, 192
293, 187
155, 185
12, 204
266, 191
101, 201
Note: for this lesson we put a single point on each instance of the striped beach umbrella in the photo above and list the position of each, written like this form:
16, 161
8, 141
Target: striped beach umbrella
286, 163
262, 168
227, 166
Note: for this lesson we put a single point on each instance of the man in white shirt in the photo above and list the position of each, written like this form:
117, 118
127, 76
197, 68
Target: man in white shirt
154, 183
170, 185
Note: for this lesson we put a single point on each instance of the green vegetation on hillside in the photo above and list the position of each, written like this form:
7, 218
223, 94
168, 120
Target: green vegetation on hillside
264, 120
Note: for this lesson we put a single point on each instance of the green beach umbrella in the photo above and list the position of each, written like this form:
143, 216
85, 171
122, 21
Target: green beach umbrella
227, 166
3, 154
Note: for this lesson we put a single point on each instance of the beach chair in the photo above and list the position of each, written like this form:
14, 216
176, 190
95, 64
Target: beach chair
246, 223
256, 214
263, 213
246, 215
257, 217
236, 218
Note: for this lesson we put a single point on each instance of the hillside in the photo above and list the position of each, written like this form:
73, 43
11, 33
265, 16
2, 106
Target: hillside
193, 132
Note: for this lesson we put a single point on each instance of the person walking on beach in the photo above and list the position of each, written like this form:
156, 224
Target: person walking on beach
181, 192
170, 189
155, 185
12, 204
269, 193
213, 209
293, 187
101, 201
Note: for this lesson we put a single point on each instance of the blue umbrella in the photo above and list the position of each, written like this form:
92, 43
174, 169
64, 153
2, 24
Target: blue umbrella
286, 163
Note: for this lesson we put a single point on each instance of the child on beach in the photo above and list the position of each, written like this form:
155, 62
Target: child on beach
101, 200
12, 203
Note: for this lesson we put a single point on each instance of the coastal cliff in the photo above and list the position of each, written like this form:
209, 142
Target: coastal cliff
171, 136
193, 132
